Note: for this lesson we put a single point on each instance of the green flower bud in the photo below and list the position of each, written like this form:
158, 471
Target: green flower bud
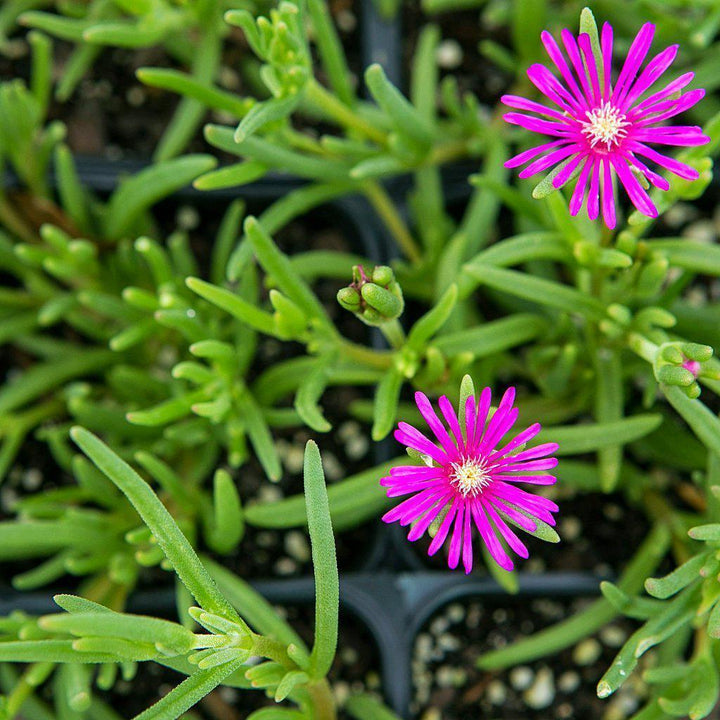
388, 305
349, 298
375, 297
675, 375
383, 275
697, 352
672, 354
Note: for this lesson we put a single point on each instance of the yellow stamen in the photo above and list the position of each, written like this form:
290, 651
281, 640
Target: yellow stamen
469, 476
605, 124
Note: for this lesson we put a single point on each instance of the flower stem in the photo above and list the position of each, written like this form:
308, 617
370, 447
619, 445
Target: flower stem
322, 700
365, 356
386, 209
394, 333
35, 675
642, 346
14, 222
333, 108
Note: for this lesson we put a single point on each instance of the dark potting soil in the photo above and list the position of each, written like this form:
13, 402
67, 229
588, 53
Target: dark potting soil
598, 534
448, 686
112, 114
355, 669
457, 53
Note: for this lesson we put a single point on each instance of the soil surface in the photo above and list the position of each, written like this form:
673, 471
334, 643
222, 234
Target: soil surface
112, 114
447, 685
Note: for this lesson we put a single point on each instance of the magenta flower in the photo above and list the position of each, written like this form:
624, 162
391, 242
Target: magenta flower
603, 130
470, 481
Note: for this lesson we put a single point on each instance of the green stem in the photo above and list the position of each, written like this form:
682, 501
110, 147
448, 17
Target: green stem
272, 650
387, 211
322, 700
319, 97
14, 223
661, 511
642, 346
568, 632
365, 356
394, 333
35, 675
447, 152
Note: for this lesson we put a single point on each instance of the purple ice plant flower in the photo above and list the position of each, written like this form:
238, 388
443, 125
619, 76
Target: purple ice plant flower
467, 480
602, 130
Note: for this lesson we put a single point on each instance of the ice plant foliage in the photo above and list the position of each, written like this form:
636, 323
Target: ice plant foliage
469, 481
603, 130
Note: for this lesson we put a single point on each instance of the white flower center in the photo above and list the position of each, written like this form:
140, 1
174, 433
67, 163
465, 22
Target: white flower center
470, 476
605, 124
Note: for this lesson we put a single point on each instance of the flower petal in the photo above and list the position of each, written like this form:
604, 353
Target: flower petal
521, 103
444, 528
635, 57
549, 85
578, 195
456, 539
431, 418
553, 158
451, 419
674, 166
487, 532
557, 57
545, 127
608, 194
413, 438
467, 551
418, 530
654, 70
640, 199
510, 537
523, 157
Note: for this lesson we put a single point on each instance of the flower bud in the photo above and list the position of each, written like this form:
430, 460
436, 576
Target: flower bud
375, 297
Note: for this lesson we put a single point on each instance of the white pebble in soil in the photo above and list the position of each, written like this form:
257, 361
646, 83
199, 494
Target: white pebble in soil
542, 692
439, 625
613, 636
346, 20
269, 494
587, 652
702, 231
613, 512
135, 96
474, 615
570, 528
449, 54
285, 566
431, 714
423, 646
568, 682
294, 459
297, 546
448, 643
229, 78
32, 479
521, 677
496, 692
455, 613
332, 466
372, 680
187, 217
355, 442
341, 691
